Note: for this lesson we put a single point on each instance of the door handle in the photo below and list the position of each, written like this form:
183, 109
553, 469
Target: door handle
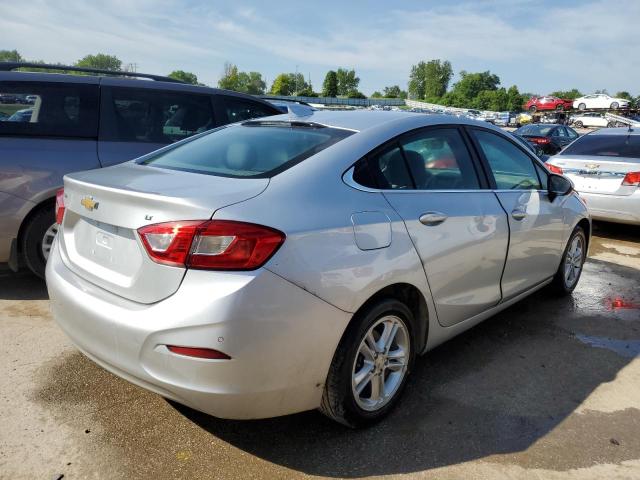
518, 214
431, 219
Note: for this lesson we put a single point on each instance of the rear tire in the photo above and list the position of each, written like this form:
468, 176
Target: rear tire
568, 273
33, 239
582, 106
614, 105
578, 124
533, 109
340, 400
560, 108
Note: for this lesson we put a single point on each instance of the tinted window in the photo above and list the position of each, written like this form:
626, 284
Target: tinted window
390, 169
605, 145
511, 167
252, 149
146, 115
237, 109
439, 160
48, 109
572, 133
534, 130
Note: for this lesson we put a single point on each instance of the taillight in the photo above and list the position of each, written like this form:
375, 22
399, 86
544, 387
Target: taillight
554, 169
631, 179
60, 206
540, 140
211, 245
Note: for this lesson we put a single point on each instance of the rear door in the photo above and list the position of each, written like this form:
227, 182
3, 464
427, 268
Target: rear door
536, 223
458, 227
50, 132
136, 121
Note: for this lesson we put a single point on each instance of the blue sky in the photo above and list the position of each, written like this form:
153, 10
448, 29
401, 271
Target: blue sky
537, 45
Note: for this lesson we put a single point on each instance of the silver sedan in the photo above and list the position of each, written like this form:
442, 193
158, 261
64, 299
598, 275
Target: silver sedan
604, 167
305, 260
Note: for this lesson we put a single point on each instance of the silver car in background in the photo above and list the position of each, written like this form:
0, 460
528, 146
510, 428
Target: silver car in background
298, 262
604, 167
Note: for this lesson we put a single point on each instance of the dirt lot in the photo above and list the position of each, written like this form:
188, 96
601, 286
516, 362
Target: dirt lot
548, 389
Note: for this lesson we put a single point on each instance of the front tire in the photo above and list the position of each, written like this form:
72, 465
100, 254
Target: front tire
371, 365
582, 106
578, 124
37, 238
614, 105
533, 109
570, 269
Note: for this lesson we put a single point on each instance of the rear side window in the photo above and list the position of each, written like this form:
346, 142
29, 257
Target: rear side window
512, 169
237, 109
155, 116
627, 146
252, 149
48, 109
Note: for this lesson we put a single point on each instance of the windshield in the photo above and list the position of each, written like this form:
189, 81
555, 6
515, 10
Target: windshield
537, 130
627, 146
251, 149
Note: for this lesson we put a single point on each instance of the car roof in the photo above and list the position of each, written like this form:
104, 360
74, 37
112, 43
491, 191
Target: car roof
121, 81
361, 120
617, 131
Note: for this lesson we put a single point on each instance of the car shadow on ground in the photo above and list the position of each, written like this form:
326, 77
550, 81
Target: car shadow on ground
616, 231
22, 285
497, 389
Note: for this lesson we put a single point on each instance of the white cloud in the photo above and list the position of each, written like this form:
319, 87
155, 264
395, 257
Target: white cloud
590, 46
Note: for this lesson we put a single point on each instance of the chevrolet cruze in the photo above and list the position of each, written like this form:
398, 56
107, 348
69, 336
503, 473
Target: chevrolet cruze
305, 260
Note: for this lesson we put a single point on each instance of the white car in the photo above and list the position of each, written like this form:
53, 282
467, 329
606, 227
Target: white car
590, 120
599, 100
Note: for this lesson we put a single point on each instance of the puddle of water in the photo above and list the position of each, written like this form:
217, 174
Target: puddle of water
624, 348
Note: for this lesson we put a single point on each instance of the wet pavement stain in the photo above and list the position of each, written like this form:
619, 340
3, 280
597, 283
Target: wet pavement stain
625, 348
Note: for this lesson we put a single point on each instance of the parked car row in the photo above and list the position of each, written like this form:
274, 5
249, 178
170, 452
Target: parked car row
588, 102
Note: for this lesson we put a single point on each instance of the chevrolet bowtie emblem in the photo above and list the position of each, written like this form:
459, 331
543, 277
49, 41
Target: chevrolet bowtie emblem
592, 166
89, 203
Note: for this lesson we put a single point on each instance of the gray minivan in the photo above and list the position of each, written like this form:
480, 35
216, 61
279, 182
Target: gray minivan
65, 123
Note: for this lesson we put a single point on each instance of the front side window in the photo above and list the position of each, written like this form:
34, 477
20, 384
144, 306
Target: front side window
238, 110
48, 109
512, 169
156, 116
251, 149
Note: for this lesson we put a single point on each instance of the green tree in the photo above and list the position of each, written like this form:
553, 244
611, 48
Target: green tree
330, 84
101, 61
624, 94
356, 94
186, 77
471, 84
376, 94
251, 82
394, 92
282, 85
515, 100
430, 80
230, 77
10, 56
567, 94
347, 82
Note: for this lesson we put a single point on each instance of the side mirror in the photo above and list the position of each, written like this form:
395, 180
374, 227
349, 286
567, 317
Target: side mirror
557, 185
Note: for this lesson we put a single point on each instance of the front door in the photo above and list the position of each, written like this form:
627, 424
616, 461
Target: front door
458, 228
535, 222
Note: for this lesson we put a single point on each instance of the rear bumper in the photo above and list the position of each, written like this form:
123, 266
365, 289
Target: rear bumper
614, 208
281, 339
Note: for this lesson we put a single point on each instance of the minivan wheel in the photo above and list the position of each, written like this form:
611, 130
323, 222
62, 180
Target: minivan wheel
371, 365
570, 269
37, 238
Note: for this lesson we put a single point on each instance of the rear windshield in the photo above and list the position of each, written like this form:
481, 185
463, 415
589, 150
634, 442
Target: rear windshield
535, 130
627, 146
249, 150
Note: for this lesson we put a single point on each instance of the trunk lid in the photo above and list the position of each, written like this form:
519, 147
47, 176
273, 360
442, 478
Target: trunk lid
104, 208
596, 173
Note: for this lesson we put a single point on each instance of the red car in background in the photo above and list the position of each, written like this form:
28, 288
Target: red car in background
547, 103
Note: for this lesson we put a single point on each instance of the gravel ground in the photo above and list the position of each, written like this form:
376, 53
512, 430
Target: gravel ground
549, 388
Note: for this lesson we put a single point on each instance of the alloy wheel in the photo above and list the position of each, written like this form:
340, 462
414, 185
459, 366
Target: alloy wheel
573, 261
47, 240
381, 363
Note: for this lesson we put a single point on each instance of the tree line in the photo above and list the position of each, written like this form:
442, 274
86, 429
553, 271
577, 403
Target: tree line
429, 81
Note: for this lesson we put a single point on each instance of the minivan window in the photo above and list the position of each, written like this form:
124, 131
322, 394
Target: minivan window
625, 145
237, 109
156, 116
251, 149
48, 109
